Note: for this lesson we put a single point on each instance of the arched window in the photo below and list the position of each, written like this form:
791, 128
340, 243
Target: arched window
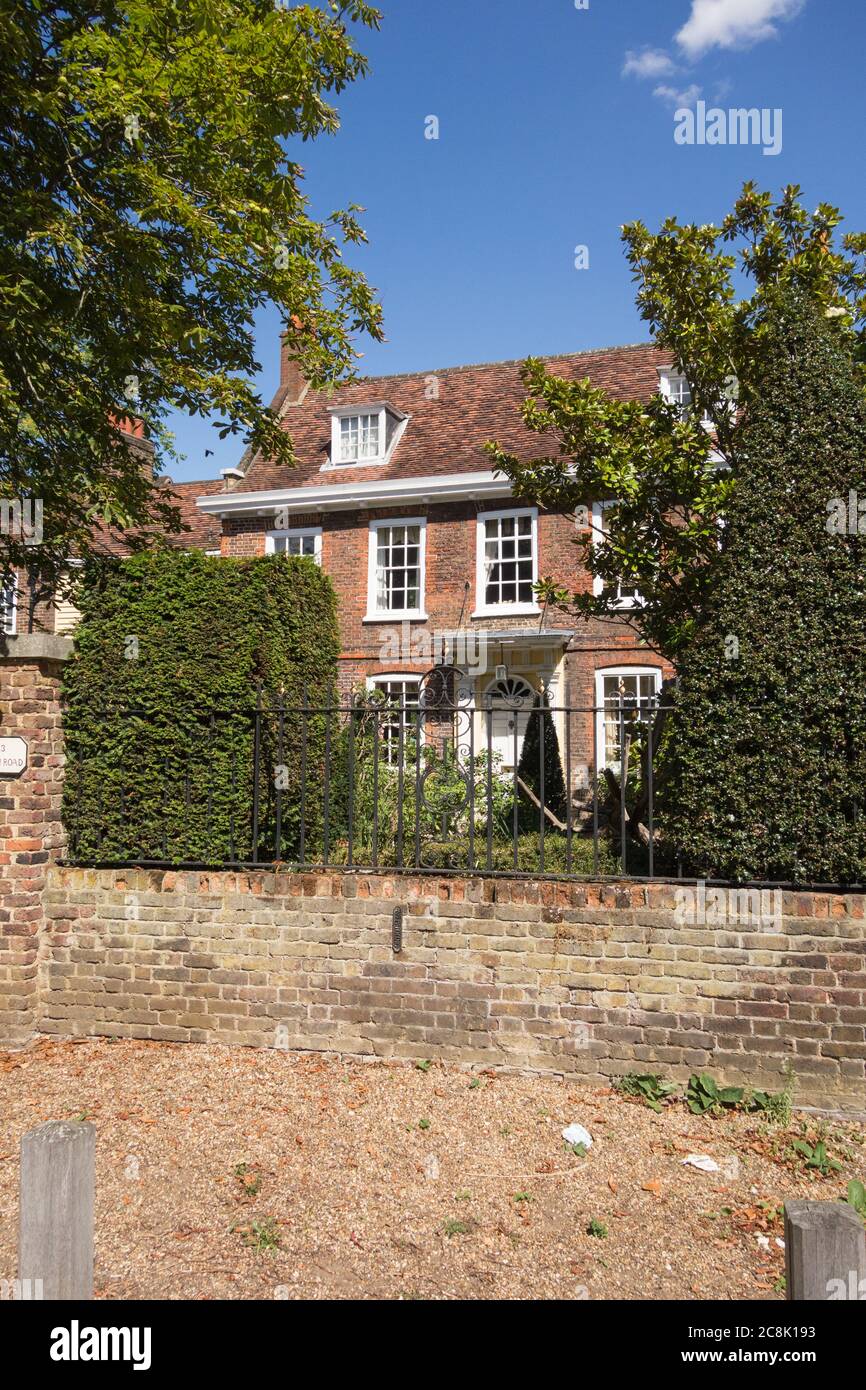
399, 712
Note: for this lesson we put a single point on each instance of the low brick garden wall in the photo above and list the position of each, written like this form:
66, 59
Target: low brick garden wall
580, 979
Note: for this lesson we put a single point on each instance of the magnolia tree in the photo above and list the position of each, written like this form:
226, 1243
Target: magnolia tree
152, 202
672, 477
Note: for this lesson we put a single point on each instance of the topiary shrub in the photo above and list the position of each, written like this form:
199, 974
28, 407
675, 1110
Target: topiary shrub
171, 656
765, 772
540, 752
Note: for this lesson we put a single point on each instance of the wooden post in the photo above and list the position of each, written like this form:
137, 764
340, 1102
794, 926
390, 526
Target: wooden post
825, 1252
56, 1209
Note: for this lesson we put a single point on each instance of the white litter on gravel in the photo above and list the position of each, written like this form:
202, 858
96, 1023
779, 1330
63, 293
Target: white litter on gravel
576, 1134
702, 1161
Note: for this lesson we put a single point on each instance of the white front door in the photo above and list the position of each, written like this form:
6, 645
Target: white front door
505, 707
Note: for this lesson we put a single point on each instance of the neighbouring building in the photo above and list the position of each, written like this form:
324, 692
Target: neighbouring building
26, 606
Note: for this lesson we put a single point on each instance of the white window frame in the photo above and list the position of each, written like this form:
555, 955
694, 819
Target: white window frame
600, 674
624, 601
291, 533
359, 415
392, 615
502, 610
668, 376
10, 613
405, 678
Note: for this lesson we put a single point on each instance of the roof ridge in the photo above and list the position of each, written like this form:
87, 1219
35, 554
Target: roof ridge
504, 362
186, 482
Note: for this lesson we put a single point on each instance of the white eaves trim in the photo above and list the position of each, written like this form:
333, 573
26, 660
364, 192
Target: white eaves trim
449, 487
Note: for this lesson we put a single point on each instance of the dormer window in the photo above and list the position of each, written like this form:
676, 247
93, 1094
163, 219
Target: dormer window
680, 393
361, 436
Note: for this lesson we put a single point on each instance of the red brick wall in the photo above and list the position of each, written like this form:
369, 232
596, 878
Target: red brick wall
31, 833
35, 613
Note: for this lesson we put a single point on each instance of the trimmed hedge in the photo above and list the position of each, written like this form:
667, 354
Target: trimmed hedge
765, 766
171, 656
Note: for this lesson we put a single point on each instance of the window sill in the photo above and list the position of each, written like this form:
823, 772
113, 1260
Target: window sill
511, 610
354, 463
623, 605
399, 616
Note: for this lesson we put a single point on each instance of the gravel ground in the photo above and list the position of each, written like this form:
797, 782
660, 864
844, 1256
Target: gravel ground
251, 1174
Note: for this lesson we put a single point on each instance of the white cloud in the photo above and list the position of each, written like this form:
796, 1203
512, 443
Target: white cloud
676, 97
649, 62
732, 23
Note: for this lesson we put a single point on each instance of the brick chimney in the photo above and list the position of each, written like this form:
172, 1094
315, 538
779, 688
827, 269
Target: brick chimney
292, 378
133, 430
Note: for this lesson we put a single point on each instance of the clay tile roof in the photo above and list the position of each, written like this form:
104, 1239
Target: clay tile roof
203, 531
445, 434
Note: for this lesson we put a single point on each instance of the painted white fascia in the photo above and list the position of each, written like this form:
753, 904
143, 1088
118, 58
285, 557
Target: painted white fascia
346, 496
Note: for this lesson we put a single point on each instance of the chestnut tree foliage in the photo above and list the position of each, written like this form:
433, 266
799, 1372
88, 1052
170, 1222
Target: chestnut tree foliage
706, 293
153, 200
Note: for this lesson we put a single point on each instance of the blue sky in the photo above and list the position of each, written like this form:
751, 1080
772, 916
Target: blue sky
551, 137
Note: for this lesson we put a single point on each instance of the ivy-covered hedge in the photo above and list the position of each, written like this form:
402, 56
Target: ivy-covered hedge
173, 653
765, 768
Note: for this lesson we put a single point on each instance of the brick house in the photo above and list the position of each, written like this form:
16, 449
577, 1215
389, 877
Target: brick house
394, 496
430, 555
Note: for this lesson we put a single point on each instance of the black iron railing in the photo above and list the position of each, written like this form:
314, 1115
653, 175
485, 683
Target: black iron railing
499, 787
